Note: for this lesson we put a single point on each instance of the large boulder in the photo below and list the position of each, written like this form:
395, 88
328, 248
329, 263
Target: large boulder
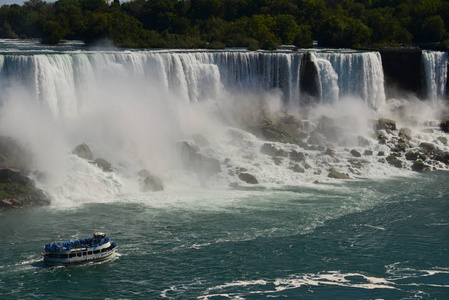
315, 139
297, 168
355, 153
268, 149
429, 147
444, 125
18, 191
394, 161
103, 164
83, 151
248, 178
419, 166
405, 133
152, 183
197, 162
297, 156
337, 175
386, 124
328, 128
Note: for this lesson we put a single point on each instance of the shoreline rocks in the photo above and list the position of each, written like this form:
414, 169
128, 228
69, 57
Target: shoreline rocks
17, 191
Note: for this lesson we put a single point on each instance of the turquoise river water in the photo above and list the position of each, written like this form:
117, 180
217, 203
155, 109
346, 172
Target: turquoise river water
363, 239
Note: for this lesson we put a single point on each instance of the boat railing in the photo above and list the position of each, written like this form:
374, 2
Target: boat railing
82, 243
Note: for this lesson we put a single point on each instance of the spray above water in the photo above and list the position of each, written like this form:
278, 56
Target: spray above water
153, 110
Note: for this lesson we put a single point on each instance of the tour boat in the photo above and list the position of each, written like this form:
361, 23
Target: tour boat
97, 248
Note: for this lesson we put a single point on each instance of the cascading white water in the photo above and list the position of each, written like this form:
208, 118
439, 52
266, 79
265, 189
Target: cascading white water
359, 74
435, 74
133, 107
328, 80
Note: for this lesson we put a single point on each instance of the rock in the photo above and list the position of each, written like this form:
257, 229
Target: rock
355, 163
405, 133
13, 175
83, 151
355, 153
368, 153
281, 132
442, 157
382, 139
144, 173
381, 153
152, 183
328, 128
427, 130
392, 160
200, 140
419, 166
291, 119
362, 141
337, 175
268, 149
427, 146
277, 160
386, 124
248, 178
198, 162
411, 155
442, 140
19, 191
103, 164
289, 129
303, 135
234, 185
281, 153
297, 156
297, 168
444, 125
401, 146
315, 138
330, 152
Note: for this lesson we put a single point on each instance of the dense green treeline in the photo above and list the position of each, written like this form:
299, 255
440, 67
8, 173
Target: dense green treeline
254, 24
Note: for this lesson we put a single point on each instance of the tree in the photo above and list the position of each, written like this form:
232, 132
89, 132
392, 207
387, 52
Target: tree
259, 28
285, 28
433, 29
303, 37
53, 33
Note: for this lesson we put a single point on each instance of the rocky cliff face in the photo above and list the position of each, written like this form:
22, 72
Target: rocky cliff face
402, 70
16, 189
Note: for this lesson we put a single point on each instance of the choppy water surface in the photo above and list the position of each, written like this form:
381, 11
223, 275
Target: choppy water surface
359, 240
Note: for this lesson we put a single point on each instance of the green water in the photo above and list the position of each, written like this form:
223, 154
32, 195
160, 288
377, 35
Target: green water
358, 240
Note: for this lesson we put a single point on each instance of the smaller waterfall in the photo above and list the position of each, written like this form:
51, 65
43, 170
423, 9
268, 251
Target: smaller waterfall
435, 66
359, 74
328, 83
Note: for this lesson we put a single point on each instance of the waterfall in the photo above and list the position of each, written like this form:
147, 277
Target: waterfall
435, 66
357, 74
62, 81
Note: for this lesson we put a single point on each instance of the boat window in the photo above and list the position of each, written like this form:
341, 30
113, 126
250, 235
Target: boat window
89, 252
52, 255
84, 253
78, 254
63, 255
72, 255
96, 251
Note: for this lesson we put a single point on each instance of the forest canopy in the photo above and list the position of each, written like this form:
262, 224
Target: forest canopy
254, 24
